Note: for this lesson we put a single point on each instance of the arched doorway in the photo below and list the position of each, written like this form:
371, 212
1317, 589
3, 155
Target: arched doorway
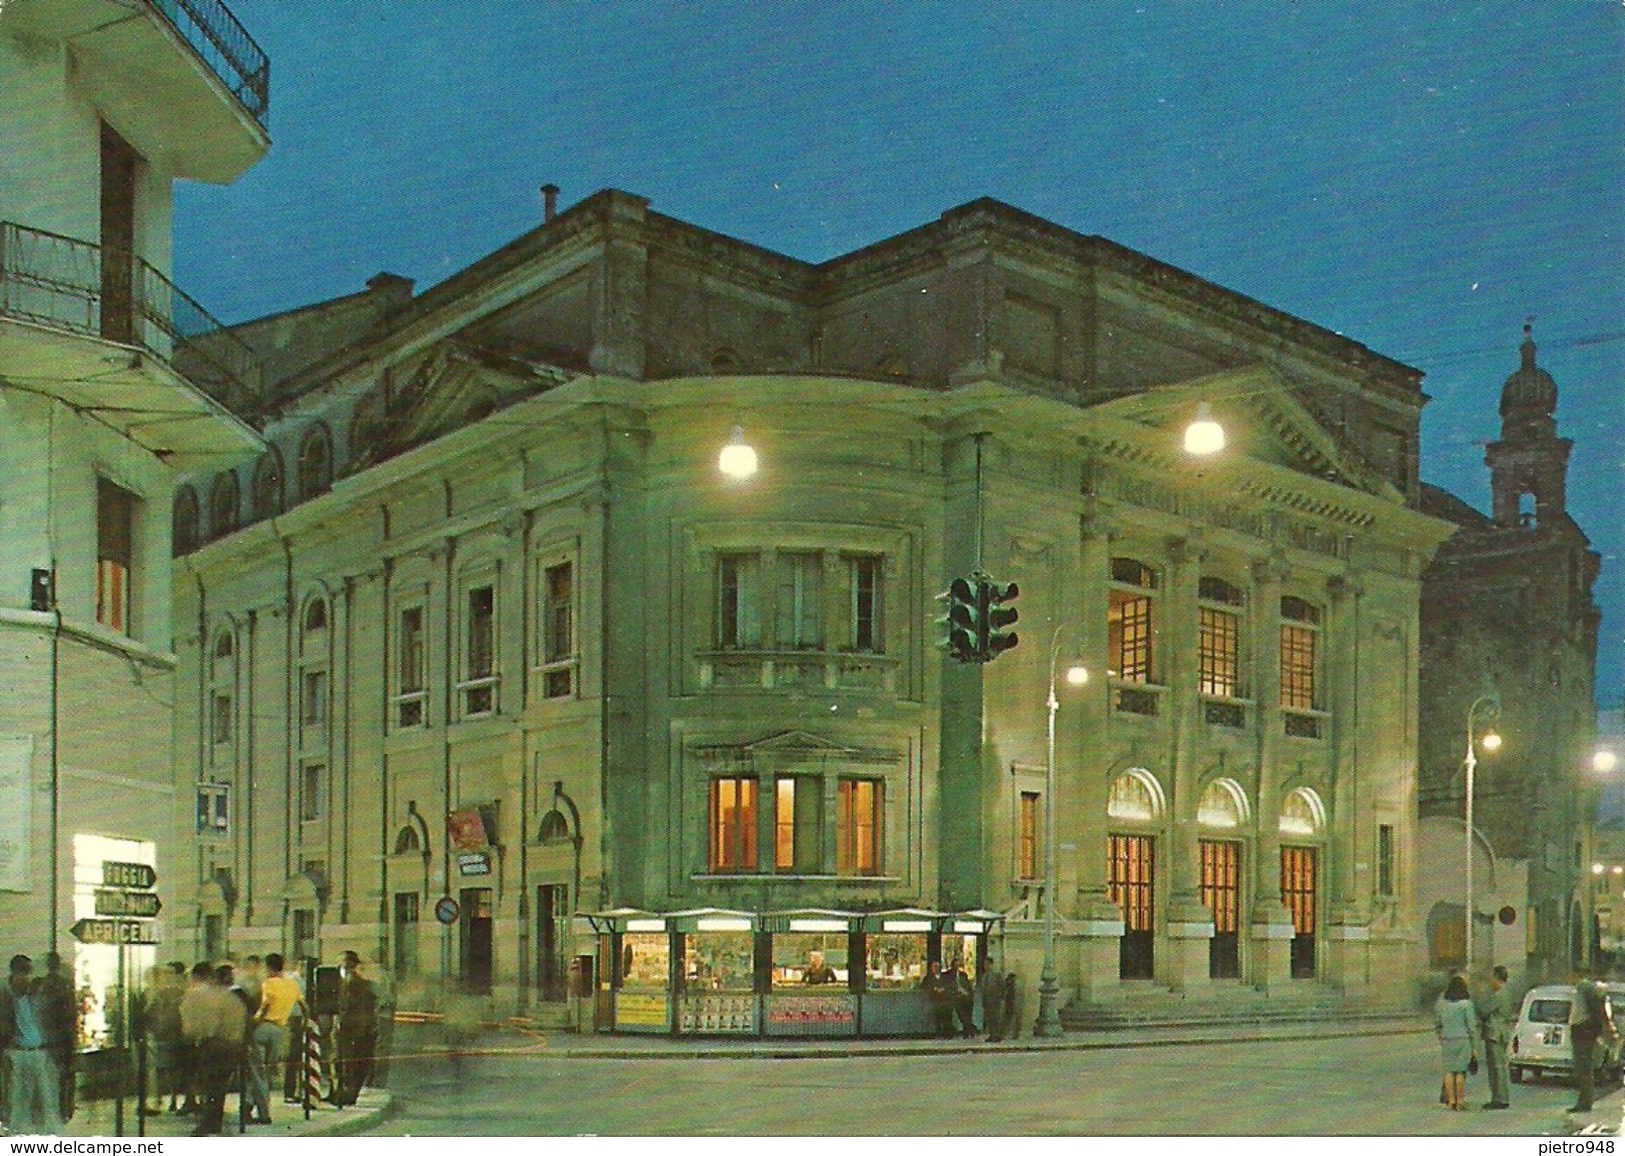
1134, 807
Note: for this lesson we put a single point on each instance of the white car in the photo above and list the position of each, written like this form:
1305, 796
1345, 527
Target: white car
1540, 1041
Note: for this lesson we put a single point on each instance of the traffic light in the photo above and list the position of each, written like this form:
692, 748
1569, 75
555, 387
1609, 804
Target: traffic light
996, 612
960, 621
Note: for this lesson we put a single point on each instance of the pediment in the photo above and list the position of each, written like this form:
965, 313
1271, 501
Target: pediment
1263, 421
798, 742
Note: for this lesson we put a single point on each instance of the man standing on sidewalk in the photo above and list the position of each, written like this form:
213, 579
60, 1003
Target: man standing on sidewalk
1590, 1022
30, 1075
1495, 1020
279, 998
61, 1010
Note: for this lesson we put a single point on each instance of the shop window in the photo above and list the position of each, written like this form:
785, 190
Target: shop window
1129, 621
645, 963
115, 533
1300, 637
867, 634
1218, 629
811, 959
311, 789
558, 631
1220, 890
858, 827
185, 531
733, 825
315, 463
719, 961
1027, 836
896, 960
411, 692
801, 601
224, 502
479, 685
738, 617
265, 492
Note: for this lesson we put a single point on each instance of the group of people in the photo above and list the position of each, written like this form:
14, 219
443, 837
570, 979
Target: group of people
951, 997
1466, 1028
39, 1039
202, 1033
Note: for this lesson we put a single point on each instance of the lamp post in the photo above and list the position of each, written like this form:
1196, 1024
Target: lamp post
1492, 742
1048, 1022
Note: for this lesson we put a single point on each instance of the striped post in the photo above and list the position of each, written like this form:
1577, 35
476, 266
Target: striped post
313, 1063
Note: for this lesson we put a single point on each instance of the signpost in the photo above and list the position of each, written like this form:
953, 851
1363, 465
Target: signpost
127, 895
129, 904
115, 932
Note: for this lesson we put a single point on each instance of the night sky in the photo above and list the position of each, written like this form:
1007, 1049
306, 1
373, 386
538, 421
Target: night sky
1419, 177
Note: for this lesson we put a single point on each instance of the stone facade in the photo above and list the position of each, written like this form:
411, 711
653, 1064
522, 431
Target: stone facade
502, 633
1507, 612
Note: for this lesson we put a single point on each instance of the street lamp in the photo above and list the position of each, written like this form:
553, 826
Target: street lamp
1491, 742
738, 457
1049, 989
1204, 435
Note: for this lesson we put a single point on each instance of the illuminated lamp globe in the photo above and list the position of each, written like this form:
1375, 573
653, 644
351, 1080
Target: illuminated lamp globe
1604, 761
1490, 741
1204, 435
738, 458
1077, 675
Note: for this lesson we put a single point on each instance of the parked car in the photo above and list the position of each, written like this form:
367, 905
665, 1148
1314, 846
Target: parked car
1540, 1042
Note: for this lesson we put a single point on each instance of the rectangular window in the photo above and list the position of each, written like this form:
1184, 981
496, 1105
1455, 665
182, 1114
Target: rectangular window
558, 631
313, 698
857, 827
115, 531
310, 791
1385, 860
1300, 630
784, 825
738, 627
1027, 836
220, 719
733, 824
1218, 652
1128, 636
866, 624
479, 681
801, 602
412, 698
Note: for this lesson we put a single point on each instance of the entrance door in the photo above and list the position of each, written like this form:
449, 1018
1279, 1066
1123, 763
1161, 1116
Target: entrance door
551, 908
1298, 893
476, 938
1130, 880
406, 933
119, 164
1221, 893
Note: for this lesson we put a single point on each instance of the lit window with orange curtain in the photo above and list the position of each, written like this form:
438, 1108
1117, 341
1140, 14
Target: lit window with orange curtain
733, 824
857, 833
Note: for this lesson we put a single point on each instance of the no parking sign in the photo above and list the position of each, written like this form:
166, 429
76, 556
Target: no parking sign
446, 909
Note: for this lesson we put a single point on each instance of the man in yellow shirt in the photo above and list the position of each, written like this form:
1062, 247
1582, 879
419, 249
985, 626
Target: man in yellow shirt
279, 995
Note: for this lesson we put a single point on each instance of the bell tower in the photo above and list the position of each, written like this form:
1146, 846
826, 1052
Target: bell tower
1529, 465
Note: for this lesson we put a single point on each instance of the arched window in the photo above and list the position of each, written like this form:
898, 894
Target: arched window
407, 841
185, 530
1135, 796
1302, 813
1223, 805
315, 615
315, 463
555, 828
224, 503
265, 496
725, 360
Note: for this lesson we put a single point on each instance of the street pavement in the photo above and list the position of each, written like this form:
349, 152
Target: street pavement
1283, 1080
100, 1118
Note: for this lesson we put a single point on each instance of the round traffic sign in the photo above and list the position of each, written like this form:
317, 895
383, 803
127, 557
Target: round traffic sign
446, 909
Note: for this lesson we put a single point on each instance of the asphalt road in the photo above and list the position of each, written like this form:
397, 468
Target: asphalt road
1340, 1086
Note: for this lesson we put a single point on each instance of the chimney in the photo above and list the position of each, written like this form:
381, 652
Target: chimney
550, 202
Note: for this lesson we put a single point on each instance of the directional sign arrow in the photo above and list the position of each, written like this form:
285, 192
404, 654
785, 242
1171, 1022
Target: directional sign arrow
140, 904
114, 931
137, 875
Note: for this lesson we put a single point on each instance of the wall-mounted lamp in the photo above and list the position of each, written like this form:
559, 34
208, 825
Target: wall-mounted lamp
1204, 435
738, 457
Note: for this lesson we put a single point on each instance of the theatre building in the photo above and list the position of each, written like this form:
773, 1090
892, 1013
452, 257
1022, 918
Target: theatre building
507, 684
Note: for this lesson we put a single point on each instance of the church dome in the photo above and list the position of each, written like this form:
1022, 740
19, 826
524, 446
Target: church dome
1530, 392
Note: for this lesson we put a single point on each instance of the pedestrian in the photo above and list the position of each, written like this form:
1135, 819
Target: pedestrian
1012, 1007
31, 1079
1495, 1016
273, 1037
992, 986
213, 1019
247, 1068
357, 1031
1456, 1024
191, 1075
938, 999
60, 1006
1591, 1022
963, 997
169, 1050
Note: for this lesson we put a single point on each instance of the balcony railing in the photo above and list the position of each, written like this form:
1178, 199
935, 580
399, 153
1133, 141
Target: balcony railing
77, 287
225, 46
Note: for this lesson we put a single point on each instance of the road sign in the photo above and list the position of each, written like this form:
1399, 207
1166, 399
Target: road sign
131, 904
114, 931
446, 909
137, 875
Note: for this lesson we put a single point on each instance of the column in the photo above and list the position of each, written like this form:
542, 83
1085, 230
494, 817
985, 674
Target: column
1271, 929
1187, 922
1352, 839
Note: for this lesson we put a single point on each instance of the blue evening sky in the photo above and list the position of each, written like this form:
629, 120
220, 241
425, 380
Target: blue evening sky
1420, 177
